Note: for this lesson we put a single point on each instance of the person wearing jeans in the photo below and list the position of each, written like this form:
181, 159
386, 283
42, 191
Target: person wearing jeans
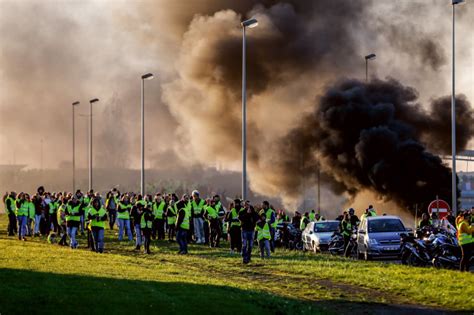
197, 205
72, 232
123, 209
22, 219
22, 211
136, 213
73, 220
37, 224
97, 216
248, 218
182, 227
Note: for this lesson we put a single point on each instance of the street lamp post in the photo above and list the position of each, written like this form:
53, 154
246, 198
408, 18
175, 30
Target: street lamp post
367, 58
147, 76
250, 24
453, 119
74, 148
90, 141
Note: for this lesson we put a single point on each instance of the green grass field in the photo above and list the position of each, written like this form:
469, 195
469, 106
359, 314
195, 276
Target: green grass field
36, 277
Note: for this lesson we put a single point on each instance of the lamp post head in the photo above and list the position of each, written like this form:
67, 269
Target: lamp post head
94, 100
75, 103
370, 57
458, 2
251, 23
147, 76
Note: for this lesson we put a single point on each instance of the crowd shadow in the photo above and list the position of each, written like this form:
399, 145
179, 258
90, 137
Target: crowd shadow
24, 291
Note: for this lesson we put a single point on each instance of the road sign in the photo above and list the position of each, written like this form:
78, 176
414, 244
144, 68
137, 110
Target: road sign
440, 207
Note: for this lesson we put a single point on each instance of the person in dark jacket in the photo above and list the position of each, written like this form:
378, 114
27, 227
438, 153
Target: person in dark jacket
296, 220
354, 219
425, 221
248, 219
146, 224
135, 215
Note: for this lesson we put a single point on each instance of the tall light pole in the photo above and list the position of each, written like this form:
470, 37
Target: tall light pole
367, 58
250, 24
147, 76
454, 203
74, 148
90, 141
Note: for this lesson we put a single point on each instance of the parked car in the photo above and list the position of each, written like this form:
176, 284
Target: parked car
317, 235
379, 236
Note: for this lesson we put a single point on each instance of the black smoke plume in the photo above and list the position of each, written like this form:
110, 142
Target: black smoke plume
376, 136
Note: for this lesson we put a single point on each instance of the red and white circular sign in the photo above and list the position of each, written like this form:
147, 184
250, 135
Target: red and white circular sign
440, 207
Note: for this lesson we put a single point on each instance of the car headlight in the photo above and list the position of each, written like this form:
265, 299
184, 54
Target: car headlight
373, 241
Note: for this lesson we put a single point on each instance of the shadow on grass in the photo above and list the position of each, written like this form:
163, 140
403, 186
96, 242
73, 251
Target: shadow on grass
23, 292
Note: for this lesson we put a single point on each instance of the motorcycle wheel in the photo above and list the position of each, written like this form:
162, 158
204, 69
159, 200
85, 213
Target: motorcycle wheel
414, 261
436, 263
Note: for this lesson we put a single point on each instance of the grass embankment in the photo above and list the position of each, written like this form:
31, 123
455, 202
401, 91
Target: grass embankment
41, 278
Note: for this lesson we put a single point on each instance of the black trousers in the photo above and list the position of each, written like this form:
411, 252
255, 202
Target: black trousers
235, 238
12, 229
53, 219
215, 232
146, 239
158, 229
112, 218
206, 227
467, 252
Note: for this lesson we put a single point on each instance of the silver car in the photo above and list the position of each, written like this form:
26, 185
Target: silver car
317, 235
379, 236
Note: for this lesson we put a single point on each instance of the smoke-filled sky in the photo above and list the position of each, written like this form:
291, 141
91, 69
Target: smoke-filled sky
55, 52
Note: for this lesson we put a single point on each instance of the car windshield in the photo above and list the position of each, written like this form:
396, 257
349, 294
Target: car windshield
322, 227
385, 225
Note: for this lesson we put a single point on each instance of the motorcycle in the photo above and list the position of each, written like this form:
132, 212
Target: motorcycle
414, 252
446, 253
432, 247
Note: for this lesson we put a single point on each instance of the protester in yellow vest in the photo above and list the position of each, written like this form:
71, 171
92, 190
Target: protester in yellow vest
465, 237
159, 207
10, 211
123, 215
61, 215
73, 220
31, 215
182, 226
212, 216
235, 233
22, 215
98, 217
263, 236
271, 220
171, 213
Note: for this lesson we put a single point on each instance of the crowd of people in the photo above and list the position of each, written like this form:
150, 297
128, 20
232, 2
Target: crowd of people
61, 216
140, 219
